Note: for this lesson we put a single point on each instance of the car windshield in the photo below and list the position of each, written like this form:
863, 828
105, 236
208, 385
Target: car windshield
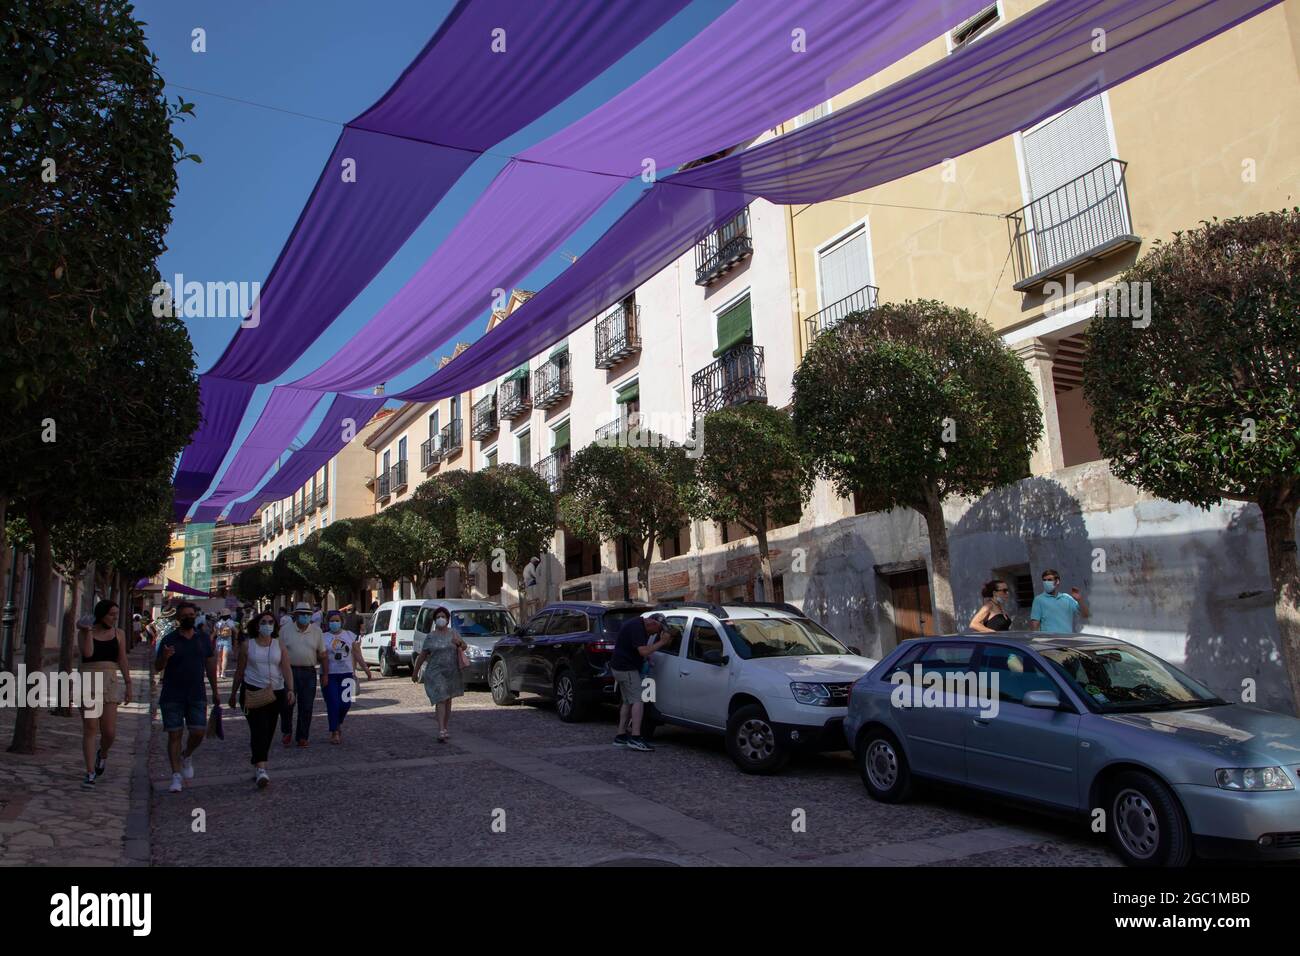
1125, 679
482, 623
781, 637
613, 620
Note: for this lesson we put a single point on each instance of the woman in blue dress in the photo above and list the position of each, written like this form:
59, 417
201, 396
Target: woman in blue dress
442, 656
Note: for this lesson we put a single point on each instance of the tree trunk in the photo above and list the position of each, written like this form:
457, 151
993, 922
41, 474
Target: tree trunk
24, 741
765, 563
1279, 535
643, 557
940, 563
67, 634
522, 589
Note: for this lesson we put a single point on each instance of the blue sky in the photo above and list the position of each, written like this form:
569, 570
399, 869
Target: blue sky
327, 60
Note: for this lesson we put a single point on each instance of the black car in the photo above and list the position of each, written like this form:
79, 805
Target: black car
563, 654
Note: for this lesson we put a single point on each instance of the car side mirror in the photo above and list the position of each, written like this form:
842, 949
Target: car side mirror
1046, 699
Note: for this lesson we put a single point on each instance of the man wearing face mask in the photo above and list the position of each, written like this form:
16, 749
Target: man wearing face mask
1054, 611
306, 649
184, 656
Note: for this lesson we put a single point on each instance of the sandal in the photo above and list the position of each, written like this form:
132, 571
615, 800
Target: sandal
443, 736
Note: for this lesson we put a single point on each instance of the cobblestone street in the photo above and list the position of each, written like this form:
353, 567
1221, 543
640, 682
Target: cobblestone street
391, 795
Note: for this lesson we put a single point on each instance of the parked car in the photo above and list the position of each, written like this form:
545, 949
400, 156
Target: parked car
389, 641
764, 675
1086, 723
563, 654
479, 623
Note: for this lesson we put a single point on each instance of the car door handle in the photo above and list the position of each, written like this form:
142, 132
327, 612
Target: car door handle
683, 673
979, 723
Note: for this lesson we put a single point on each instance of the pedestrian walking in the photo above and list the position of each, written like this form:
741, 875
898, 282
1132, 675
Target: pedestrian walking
103, 651
306, 651
1053, 611
264, 689
632, 650
225, 637
443, 657
992, 615
185, 656
338, 676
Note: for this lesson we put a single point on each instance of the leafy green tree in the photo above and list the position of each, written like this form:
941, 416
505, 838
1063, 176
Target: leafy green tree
342, 561
752, 473
507, 515
642, 492
913, 402
1200, 401
284, 571
438, 500
255, 583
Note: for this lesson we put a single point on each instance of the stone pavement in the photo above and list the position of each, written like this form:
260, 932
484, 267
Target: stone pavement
515, 786
47, 819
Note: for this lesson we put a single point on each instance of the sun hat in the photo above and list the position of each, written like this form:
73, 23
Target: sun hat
302, 607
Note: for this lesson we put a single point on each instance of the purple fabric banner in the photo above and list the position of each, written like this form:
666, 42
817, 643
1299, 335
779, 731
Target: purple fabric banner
1033, 68
346, 416
493, 67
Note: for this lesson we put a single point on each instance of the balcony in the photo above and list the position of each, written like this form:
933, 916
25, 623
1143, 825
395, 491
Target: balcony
723, 249
430, 453
397, 477
864, 300
322, 497
734, 379
309, 504
483, 422
515, 399
609, 434
618, 335
552, 468
297, 512
450, 439
1083, 221
552, 383
279, 525
382, 490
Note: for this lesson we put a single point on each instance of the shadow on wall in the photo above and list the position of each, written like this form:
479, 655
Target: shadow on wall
839, 590
1232, 631
1036, 522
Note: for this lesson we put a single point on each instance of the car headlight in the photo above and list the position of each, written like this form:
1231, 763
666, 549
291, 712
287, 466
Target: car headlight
815, 694
473, 650
1253, 778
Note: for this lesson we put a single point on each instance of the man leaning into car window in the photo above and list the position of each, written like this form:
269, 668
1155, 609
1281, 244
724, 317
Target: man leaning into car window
632, 648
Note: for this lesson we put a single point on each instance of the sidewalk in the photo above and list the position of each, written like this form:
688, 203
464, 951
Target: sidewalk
46, 819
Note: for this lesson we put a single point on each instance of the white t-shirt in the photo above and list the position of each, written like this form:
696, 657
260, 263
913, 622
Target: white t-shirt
262, 668
338, 651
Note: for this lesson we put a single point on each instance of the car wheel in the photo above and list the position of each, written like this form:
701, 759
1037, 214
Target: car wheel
499, 682
569, 704
883, 766
1147, 825
752, 742
385, 666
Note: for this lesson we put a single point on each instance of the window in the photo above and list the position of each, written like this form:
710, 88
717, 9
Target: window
382, 619
494, 582
538, 624
812, 115
974, 28
678, 623
401, 448
677, 545
1015, 672
560, 436
424, 624
581, 592
525, 446
844, 267
387, 463
568, 622
946, 659
482, 623
735, 326
409, 613
1021, 583
705, 640
490, 459
433, 424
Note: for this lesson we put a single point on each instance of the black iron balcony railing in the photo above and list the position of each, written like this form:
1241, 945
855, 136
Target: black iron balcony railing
734, 379
1084, 220
552, 468
322, 497
483, 418
552, 382
382, 489
719, 252
609, 434
618, 335
450, 439
430, 453
279, 525
515, 399
309, 503
298, 514
397, 476
864, 300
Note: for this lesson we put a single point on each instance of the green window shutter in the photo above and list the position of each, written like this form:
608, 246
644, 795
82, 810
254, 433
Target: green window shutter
628, 393
560, 349
735, 326
561, 437
520, 372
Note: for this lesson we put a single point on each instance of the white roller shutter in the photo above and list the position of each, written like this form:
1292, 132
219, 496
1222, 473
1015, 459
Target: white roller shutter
845, 268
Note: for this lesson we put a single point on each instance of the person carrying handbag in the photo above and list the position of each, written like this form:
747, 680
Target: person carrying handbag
263, 685
444, 652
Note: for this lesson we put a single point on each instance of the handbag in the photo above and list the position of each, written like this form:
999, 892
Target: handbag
255, 697
462, 658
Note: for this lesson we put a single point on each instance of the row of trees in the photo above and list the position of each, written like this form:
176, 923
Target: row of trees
101, 393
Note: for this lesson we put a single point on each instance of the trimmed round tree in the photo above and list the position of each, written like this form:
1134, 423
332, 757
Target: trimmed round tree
1200, 402
752, 473
910, 403
507, 517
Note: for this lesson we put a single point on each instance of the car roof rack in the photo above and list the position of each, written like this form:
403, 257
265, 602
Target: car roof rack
720, 611
774, 605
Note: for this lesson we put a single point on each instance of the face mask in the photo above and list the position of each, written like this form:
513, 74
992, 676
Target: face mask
1049, 587
266, 630
187, 623
304, 618
440, 621
336, 626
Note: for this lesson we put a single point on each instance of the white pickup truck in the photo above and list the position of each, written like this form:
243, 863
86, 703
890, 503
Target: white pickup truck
764, 675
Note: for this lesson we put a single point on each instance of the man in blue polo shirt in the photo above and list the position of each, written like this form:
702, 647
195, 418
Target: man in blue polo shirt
1053, 611
185, 657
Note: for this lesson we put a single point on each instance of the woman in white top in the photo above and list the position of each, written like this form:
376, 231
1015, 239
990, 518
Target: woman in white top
262, 665
342, 657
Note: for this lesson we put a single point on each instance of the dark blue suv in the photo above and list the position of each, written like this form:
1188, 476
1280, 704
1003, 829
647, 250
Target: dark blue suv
563, 654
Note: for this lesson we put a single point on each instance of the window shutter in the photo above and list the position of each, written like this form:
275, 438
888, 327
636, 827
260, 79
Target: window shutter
1066, 147
628, 393
561, 437
735, 326
845, 268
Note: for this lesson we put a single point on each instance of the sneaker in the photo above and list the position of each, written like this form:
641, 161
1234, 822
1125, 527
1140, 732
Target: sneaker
302, 743
187, 768
88, 782
621, 740
636, 743
176, 786
100, 763
262, 778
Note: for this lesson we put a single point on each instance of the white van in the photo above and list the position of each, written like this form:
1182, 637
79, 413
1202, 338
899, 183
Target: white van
391, 637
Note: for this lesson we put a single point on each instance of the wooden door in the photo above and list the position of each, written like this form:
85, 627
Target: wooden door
911, 597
